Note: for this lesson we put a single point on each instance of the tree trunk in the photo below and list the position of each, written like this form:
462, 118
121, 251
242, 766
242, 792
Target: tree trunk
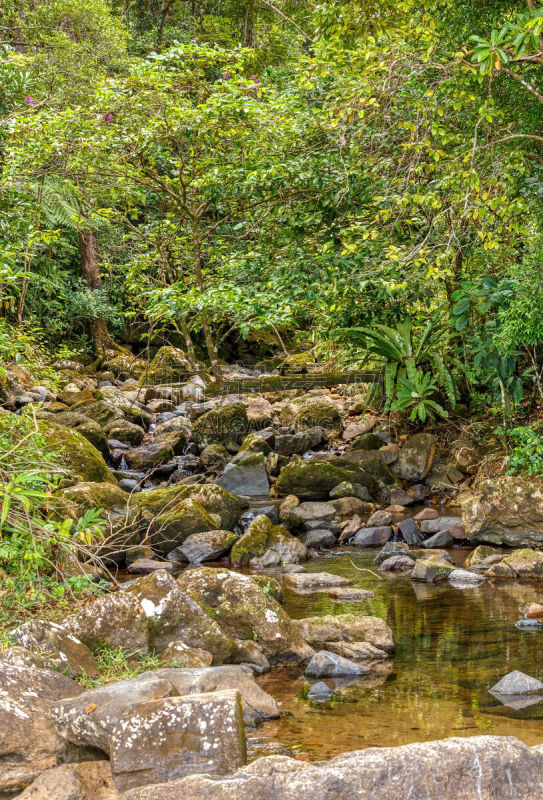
249, 26
206, 328
90, 270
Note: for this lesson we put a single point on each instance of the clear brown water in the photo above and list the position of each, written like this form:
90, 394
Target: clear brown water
452, 645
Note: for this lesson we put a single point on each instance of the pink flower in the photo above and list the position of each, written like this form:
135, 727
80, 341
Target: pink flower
109, 117
29, 101
179, 86
227, 74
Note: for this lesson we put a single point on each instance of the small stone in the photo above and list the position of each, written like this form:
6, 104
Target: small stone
320, 693
462, 577
410, 532
379, 518
144, 566
440, 539
528, 624
533, 610
320, 537
426, 513
399, 498
325, 664
397, 563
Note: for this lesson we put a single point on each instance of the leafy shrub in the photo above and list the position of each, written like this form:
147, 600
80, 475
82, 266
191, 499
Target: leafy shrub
527, 456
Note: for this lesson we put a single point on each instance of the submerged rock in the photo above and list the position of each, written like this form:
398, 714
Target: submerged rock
323, 632
315, 581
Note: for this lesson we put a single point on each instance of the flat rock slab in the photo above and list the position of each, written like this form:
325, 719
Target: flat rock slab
472, 768
347, 594
463, 577
325, 664
144, 566
169, 738
315, 581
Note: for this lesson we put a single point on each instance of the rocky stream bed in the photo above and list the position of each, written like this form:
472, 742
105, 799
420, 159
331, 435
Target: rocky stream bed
329, 600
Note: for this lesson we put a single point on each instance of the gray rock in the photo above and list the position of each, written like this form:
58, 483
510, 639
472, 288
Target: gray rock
207, 546
399, 498
440, 539
471, 768
320, 537
397, 563
379, 518
463, 577
372, 537
391, 549
517, 682
257, 704
247, 478
410, 532
325, 664
144, 566
299, 443
320, 693
311, 512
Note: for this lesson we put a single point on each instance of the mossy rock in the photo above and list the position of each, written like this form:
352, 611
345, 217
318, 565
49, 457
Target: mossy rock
124, 364
270, 586
78, 459
169, 364
480, 554
98, 410
522, 563
245, 612
267, 545
222, 425
254, 443
214, 457
87, 427
318, 412
368, 441
313, 480
170, 529
125, 431
296, 364
214, 499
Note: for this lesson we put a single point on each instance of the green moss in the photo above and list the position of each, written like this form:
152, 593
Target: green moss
214, 499
368, 441
222, 425
80, 460
315, 479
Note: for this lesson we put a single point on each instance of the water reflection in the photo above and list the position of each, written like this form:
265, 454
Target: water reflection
453, 644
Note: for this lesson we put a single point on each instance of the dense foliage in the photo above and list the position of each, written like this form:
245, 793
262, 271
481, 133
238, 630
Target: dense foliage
285, 173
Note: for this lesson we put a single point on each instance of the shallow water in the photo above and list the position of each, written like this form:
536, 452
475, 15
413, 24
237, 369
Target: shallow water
452, 645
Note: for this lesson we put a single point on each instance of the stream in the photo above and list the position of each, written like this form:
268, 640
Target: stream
451, 646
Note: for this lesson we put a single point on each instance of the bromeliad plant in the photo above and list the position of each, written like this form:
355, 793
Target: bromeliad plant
414, 366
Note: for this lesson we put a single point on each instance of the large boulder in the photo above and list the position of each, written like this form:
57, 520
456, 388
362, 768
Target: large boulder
227, 425
523, 563
29, 742
173, 615
471, 768
248, 477
165, 739
415, 457
74, 456
116, 619
266, 545
87, 427
507, 511
314, 480
246, 611
163, 503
